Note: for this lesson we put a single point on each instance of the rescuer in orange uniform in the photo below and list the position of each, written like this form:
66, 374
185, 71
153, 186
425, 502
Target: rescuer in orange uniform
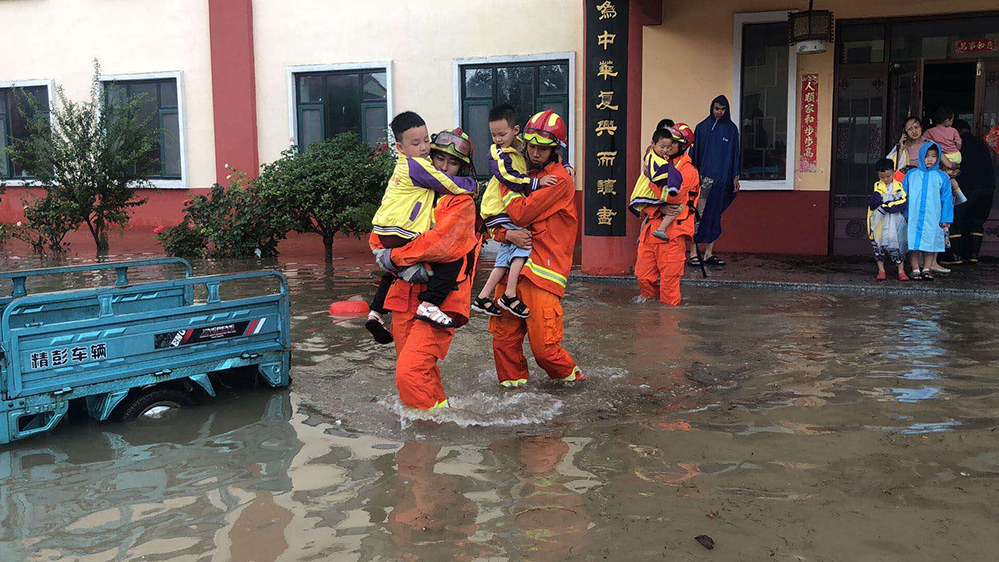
550, 215
660, 263
456, 235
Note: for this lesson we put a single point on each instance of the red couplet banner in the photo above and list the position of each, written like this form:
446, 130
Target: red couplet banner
992, 139
807, 154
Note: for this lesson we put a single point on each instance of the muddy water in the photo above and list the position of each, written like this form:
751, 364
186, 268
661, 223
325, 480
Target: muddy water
786, 426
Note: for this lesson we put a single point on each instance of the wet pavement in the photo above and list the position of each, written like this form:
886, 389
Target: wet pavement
786, 425
830, 274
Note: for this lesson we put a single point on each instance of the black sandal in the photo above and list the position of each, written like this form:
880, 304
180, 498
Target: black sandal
714, 260
927, 275
694, 260
514, 306
378, 330
486, 306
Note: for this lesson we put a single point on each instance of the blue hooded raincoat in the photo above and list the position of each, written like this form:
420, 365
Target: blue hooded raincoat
716, 156
930, 203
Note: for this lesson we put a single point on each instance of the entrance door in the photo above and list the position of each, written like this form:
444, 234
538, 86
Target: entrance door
906, 96
987, 96
987, 118
861, 105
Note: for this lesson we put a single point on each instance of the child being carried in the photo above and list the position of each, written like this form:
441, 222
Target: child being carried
659, 181
509, 180
406, 211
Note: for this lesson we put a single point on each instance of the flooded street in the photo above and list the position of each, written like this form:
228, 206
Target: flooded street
784, 425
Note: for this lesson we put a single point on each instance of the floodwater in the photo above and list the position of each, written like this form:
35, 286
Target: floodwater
784, 425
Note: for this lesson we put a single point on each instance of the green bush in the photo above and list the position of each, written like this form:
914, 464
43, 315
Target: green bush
229, 222
332, 188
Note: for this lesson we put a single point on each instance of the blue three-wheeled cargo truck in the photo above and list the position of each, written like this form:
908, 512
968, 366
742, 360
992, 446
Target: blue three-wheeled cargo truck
126, 349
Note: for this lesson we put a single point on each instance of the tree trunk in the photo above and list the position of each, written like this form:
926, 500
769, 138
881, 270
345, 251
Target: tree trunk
101, 237
328, 250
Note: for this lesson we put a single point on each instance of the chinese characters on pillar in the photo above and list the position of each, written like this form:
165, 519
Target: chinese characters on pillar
807, 149
606, 113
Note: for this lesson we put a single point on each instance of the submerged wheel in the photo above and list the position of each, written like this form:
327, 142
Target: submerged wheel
154, 403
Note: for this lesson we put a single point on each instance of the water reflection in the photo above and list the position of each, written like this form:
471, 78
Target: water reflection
695, 421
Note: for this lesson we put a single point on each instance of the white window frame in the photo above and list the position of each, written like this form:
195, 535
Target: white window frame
792, 100
184, 181
50, 88
540, 57
374, 66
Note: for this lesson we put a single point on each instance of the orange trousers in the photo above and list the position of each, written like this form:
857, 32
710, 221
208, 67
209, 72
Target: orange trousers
659, 267
418, 347
543, 330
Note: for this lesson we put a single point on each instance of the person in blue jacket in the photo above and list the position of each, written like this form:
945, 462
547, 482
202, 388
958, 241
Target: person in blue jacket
931, 210
716, 157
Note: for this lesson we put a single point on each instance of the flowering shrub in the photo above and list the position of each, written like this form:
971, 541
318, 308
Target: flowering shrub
229, 222
333, 188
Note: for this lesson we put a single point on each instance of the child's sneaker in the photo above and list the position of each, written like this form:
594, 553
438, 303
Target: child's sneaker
430, 313
376, 326
486, 306
660, 234
514, 306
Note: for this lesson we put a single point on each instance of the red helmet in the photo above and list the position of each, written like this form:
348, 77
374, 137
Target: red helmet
681, 132
546, 128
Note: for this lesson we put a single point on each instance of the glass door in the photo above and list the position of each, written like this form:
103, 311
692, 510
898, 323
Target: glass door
906, 96
986, 96
861, 107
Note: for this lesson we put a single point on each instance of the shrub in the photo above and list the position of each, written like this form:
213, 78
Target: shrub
333, 188
229, 222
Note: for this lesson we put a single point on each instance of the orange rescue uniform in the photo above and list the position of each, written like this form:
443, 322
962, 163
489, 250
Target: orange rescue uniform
420, 345
660, 263
550, 214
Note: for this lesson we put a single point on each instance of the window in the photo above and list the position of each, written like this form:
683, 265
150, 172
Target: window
862, 44
529, 86
160, 109
17, 107
332, 102
764, 108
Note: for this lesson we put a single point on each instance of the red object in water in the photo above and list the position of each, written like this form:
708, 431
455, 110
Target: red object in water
348, 308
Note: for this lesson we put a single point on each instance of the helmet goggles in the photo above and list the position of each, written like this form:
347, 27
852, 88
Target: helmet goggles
461, 146
542, 137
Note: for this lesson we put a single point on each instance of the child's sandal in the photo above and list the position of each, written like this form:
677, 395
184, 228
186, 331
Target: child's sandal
486, 306
660, 234
514, 306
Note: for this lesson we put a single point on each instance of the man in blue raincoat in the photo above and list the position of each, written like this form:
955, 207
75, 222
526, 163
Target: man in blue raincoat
716, 157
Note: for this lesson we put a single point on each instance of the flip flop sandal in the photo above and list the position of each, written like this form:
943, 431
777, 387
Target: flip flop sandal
694, 261
486, 306
434, 316
514, 306
714, 260
378, 330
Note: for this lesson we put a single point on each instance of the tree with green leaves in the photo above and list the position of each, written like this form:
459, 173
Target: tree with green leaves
91, 162
332, 188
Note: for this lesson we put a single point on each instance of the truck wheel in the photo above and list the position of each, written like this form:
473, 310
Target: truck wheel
154, 402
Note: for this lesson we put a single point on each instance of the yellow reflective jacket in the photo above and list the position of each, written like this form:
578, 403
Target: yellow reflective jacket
659, 172
407, 206
509, 171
